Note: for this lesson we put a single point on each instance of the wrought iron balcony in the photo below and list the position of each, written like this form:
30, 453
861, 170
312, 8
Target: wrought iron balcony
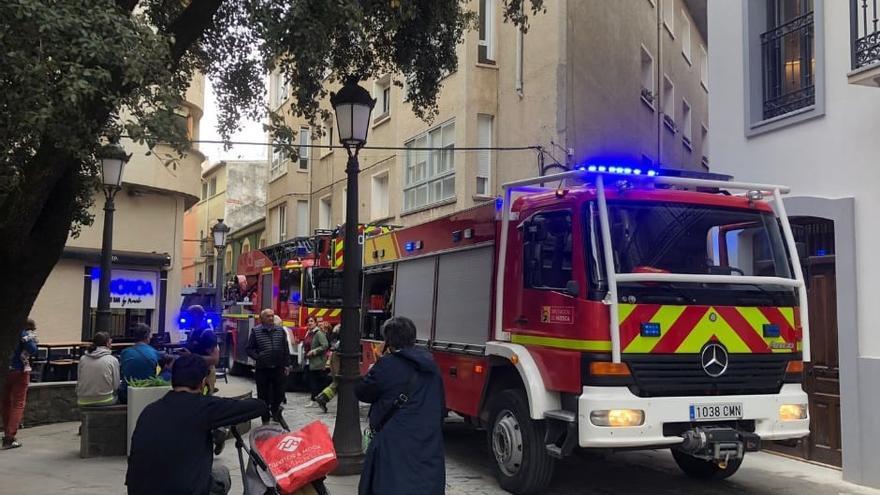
865, 42
788, 65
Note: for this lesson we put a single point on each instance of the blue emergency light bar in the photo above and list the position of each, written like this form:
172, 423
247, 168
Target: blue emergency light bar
618, 170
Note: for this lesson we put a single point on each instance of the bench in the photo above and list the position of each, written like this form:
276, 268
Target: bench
103, 431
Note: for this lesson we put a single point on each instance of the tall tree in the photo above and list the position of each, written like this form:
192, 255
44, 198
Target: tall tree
76, 72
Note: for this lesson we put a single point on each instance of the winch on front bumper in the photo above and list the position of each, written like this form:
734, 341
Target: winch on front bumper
718, 443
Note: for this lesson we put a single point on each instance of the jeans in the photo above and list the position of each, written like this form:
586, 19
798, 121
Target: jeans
13, 400
316, 380
271, 385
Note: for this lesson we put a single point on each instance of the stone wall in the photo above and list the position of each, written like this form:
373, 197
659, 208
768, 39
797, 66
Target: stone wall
50, 402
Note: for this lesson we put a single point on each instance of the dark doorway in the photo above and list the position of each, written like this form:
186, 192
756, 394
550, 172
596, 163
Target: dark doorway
822, 375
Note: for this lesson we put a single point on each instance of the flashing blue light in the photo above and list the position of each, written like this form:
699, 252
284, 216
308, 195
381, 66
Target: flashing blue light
650, 329
601, 168
296, 297
637, 172
591, 168
627, 170
182, 321
821, 252
499, 203
652, 173
582, 167
771, 330
409, 246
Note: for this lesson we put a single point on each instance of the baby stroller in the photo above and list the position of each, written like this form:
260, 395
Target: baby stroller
277, 444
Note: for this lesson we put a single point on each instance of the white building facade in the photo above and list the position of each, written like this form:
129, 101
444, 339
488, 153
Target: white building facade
794, 101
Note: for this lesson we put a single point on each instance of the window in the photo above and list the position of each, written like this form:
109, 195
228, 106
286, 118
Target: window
327, 137
325, 211
668, 103
429, 175
788, 57
382, 93
278, 85
486, 45
648, 90
547, 251
204, 190
669, 16
484, 159
685, 37
278, 165
302, 218
212, 186
686, 132
282, 221
704, 140
379, 197
704, 68
305, 139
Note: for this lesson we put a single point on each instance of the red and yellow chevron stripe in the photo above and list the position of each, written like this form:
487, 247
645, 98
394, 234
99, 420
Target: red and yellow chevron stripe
322, 313
686, 329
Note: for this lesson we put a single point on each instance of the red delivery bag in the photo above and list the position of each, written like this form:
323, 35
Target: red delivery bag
298, 458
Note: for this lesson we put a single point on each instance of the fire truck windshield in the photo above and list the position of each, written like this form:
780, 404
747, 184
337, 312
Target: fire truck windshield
322, 287
650, 237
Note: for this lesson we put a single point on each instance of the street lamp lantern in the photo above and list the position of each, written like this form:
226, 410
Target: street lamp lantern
113, 159
220, 230
353, 106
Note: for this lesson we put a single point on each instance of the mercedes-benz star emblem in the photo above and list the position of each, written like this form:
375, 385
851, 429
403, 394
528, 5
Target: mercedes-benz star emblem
714, 360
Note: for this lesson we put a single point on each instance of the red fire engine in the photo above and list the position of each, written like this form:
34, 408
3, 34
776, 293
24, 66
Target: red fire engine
619, 309
298, 278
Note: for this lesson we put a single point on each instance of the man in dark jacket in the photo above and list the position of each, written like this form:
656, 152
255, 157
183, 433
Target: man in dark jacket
267, 345
171, 448
405, 456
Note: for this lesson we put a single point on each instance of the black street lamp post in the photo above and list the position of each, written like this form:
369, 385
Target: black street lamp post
220, 231
353, 106
113, 159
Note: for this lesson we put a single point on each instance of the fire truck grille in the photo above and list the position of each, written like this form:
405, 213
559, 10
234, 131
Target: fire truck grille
664, 375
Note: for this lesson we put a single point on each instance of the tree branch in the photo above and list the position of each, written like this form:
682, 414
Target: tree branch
190, 24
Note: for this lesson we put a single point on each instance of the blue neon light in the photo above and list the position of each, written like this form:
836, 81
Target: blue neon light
125, 286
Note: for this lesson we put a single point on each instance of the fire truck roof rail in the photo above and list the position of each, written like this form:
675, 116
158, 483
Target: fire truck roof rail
589, 176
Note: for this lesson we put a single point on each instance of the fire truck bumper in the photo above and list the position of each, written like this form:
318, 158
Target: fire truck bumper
616, 405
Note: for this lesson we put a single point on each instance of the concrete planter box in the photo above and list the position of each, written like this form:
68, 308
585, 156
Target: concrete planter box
138, 399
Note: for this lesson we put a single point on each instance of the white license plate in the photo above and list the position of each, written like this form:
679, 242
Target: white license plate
705, 412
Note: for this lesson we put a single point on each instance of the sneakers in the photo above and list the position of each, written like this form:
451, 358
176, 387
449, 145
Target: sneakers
12, 444
310, 403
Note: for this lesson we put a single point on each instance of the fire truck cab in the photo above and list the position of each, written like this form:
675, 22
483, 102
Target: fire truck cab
618, 308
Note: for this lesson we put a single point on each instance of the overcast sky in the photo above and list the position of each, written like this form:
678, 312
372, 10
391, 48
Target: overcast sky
251, 132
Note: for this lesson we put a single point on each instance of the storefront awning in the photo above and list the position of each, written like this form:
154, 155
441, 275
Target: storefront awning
131, 258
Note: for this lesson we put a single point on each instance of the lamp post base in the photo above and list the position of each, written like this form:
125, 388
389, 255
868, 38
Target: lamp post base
349, 464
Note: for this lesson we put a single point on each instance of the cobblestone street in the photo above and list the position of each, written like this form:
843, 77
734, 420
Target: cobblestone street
49, 463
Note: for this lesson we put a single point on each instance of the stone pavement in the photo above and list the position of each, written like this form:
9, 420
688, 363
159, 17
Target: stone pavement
49, 463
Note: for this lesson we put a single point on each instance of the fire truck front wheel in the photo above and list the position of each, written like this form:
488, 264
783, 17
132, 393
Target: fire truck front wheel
522, 464
702, 469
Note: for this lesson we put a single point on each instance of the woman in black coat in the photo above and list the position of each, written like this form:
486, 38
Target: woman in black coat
405, 456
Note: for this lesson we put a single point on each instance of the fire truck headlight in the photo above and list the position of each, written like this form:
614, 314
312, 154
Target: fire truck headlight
792, 412
618, 417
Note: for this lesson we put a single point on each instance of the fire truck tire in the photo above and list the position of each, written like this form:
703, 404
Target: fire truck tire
702, 469
522, 464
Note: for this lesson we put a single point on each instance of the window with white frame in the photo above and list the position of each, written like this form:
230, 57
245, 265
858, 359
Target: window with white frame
327, 137
325, 212
668, 103
212, 186
302, 217
648, 90
204, 189
382, 93
685, 37
279, 216
429, 175
305, 139
486, 44
278, 165
686, 125
669, 16
484, 158
379, 196
279, 88
704, 68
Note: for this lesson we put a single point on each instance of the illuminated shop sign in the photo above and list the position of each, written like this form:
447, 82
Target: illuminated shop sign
129, 289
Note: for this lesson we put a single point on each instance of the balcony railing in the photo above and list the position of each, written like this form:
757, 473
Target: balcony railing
788, 65
865, 33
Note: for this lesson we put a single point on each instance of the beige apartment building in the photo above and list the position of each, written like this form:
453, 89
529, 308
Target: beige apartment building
147, 244
622, 81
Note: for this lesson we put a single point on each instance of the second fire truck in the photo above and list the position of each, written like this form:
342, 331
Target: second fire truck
619, 309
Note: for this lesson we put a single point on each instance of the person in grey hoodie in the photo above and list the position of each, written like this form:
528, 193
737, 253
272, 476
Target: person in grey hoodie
98, 375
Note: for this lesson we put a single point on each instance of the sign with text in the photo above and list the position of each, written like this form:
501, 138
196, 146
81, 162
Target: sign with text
129, 289
557, 314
